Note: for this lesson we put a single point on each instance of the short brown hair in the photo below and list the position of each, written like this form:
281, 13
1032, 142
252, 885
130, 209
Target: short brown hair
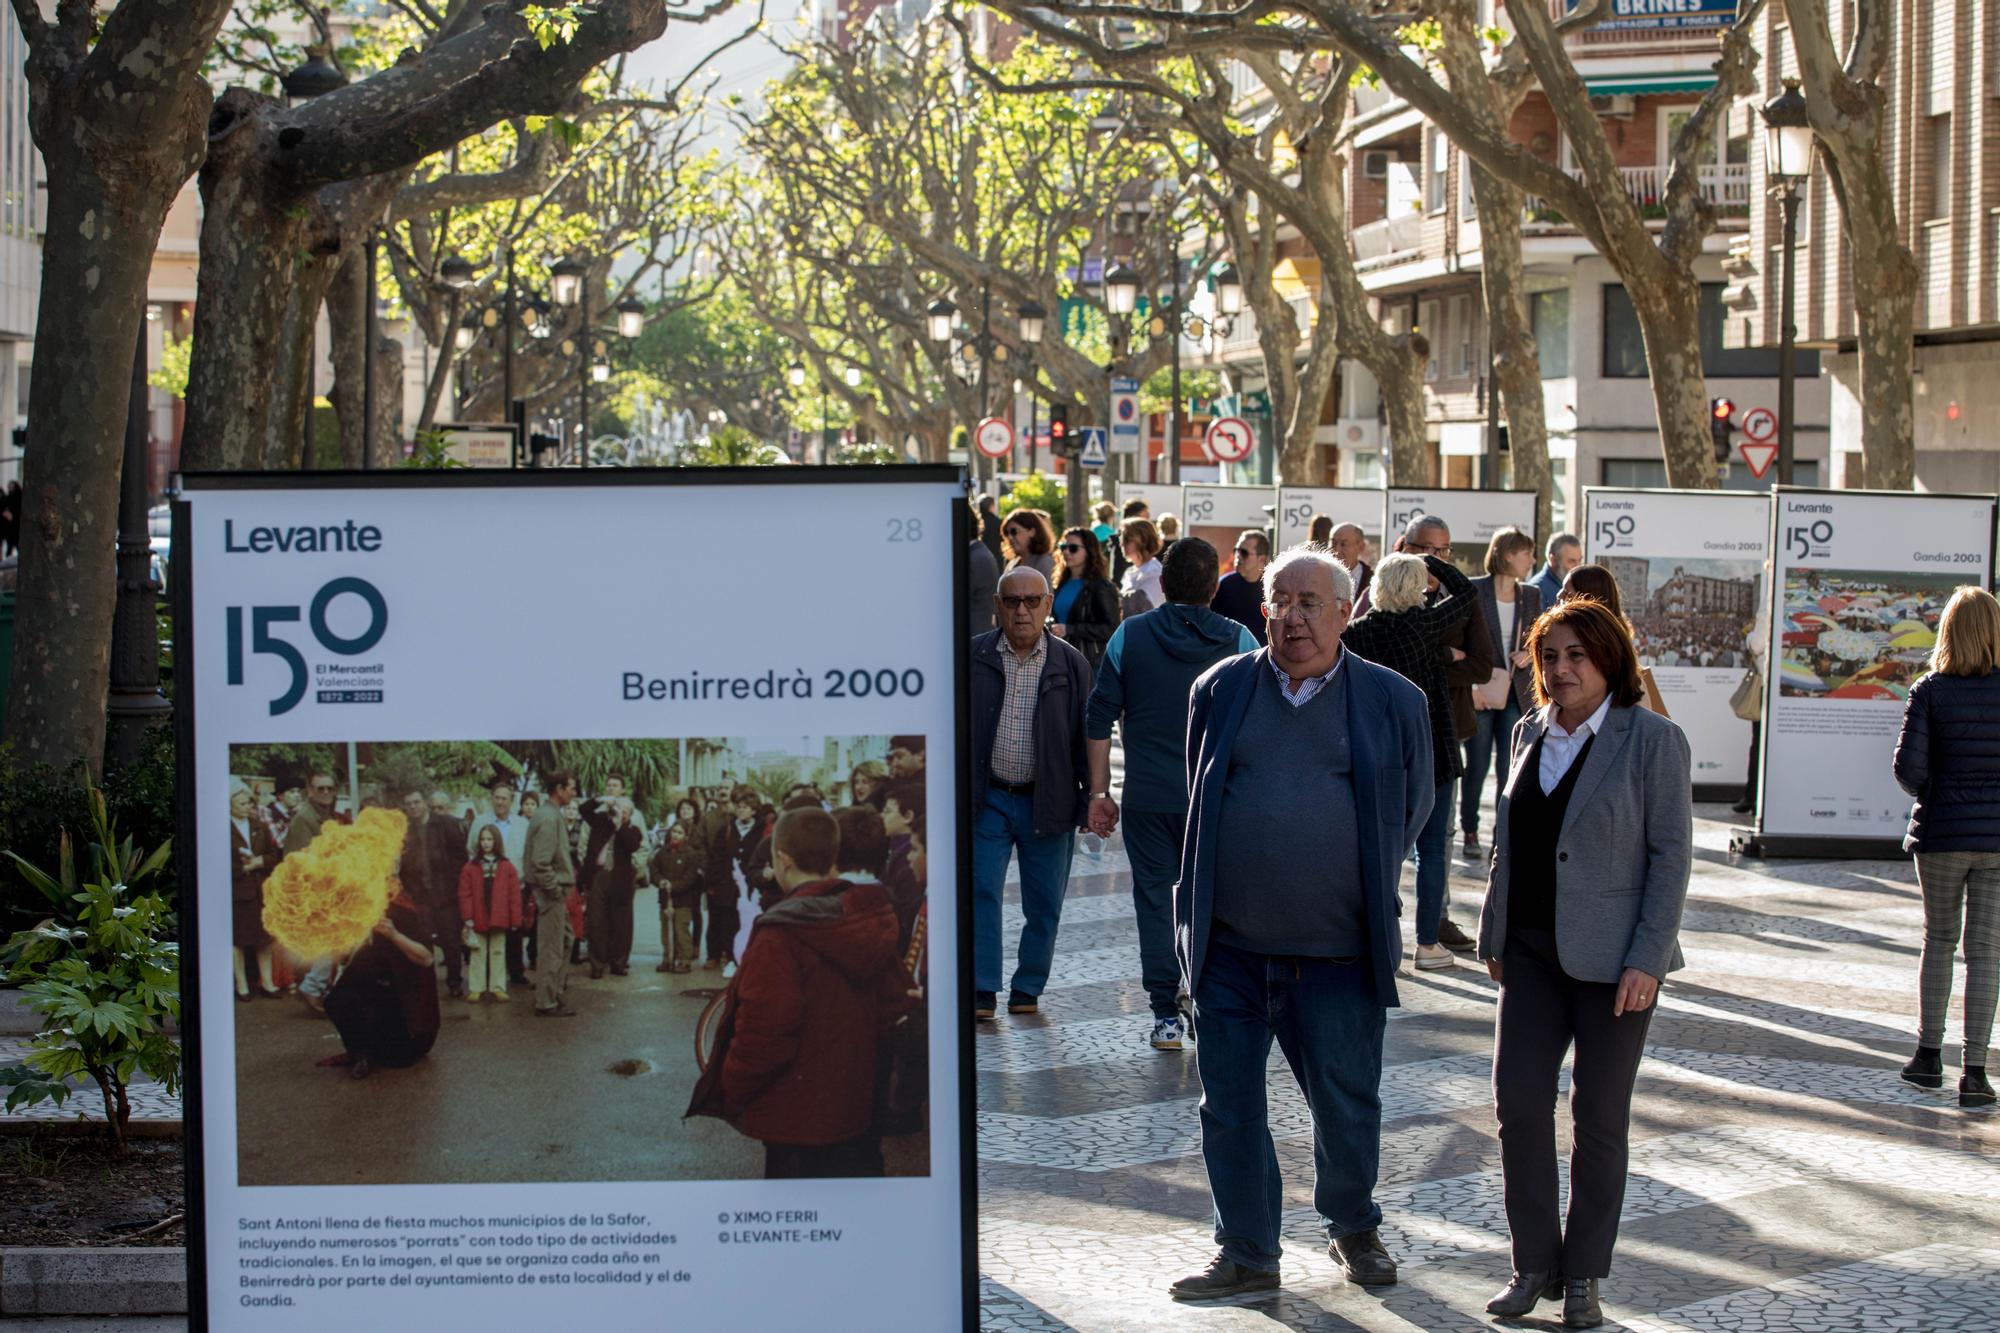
1968, 641
1506, 542
1594, 582
1605, 639
810, 837
1141, 532
1041, 542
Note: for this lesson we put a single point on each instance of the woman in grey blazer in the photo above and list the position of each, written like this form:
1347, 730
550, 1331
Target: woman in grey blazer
1592, 847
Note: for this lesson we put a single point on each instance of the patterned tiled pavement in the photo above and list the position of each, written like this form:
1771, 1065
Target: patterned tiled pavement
1783, 1177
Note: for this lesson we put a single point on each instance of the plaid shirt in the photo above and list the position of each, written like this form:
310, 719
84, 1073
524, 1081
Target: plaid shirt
1014, 741
1409, 644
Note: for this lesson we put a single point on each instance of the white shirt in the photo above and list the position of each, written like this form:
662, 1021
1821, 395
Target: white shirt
1146, 579
1559, 747
1506, 644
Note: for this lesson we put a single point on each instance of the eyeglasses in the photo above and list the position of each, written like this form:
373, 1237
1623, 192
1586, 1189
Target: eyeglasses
1308, 610
1019, 603
1072, 547
1442, 550
1245, 553
322, 786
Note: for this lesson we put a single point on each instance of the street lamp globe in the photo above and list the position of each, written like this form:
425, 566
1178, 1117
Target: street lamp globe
566, 281
1788, 135
1033, 318
1228, 290
537, 317
600, 371
456, 273
796, 375
631, 318
466, 334
1121, 289
939, 317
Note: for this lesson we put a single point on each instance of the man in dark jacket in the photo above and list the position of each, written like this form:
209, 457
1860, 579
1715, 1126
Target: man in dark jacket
1149, 666
1028, 771
434, 853
982, 576
1239, 594
820, 986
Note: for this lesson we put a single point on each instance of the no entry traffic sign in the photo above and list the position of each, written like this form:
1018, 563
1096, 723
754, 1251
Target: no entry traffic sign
993, 437
1229, 439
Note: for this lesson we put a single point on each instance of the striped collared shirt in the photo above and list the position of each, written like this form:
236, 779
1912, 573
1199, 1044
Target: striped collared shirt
1311, 685
1014, 740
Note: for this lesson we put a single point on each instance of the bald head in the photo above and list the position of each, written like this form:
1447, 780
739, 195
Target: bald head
1348, 543
1023, 580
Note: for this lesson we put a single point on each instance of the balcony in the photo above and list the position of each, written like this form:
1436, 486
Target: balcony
1390, 236
1726, 186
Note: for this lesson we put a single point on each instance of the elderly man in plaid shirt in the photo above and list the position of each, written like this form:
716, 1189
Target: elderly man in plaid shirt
1029, 774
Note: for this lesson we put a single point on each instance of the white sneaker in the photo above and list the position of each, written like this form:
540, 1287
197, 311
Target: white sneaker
728, 971
1435, 958
1166, 1034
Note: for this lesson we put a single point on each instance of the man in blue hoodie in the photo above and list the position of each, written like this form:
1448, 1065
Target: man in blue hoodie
1149, 666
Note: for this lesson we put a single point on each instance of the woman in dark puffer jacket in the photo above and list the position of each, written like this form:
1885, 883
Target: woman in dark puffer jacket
1948, 757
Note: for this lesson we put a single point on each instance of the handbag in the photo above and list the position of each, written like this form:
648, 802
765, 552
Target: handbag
1748, 700
1495, 690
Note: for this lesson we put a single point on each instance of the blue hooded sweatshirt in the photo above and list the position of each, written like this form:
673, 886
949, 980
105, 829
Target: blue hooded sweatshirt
1149, 668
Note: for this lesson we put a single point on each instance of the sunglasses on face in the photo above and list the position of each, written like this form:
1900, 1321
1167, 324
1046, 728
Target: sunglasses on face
1017, 603
1072, 547
1244, 553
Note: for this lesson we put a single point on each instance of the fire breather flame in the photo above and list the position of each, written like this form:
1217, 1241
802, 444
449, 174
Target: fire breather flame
326, 897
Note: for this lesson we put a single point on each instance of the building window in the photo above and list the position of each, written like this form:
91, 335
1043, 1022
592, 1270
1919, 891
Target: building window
1558, 493
1548, 312
1467, 206
1625, 349
1436, 179
1429, 323
1939, 194
1364, 467
1461, 336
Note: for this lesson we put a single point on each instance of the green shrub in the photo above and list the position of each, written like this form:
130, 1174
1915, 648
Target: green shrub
38, 803
103, 970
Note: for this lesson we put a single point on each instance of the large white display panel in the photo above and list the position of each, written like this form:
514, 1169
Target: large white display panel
1220, 514
530, 1173
1299, 505
1473, 516
1860, 579
1690, 571
1159, 497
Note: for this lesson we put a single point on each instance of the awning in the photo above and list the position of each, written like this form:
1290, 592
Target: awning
1646, 85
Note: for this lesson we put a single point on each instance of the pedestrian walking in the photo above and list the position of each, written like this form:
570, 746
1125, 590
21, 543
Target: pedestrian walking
1948, 758
1134, 508
1139, 591
1029, 542
1150, 665
1409, 637
1310, 773
1593, 846
1086, 605
1028, 773
1564, 553
1510, 606
1239, 594
982, 574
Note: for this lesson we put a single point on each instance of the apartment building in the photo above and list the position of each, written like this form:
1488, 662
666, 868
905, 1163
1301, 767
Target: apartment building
1417, 244
1942, 143
23, 214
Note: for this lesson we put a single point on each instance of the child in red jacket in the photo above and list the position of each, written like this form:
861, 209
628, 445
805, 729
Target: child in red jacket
489, 902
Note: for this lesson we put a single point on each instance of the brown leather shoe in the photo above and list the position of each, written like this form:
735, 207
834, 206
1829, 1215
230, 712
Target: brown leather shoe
1222, 1277
1363, 1260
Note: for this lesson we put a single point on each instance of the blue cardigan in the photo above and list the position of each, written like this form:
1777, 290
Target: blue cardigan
1391, 738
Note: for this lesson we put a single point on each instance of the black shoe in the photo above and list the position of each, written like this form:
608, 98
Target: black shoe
1973, 1089
596, 971
1524, 1292
1362, 1260
1580, 1307
559, 1011
1926, 1068
1019, 1002
1746, 806
983, 1004
1222, 1277
1454, 939
618, 970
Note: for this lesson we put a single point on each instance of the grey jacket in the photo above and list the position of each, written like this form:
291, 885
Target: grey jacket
1527, 606
550, 872
1624, 852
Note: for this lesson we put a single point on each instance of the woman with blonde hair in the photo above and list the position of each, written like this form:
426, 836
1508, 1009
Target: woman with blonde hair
1948, 758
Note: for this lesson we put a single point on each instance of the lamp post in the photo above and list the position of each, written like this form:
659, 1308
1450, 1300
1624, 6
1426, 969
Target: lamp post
1032, 319
135, 702
315, 77
1788, 156
569, 285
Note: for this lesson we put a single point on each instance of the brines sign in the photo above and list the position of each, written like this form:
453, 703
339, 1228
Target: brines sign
1859, 581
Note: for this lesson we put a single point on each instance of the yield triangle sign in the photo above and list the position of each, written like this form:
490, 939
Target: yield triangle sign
1758, 456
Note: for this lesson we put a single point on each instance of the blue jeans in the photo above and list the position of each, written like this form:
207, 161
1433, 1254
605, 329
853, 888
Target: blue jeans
1433, 866
1006, 827
1153, 842
1491, 741
1329, 1024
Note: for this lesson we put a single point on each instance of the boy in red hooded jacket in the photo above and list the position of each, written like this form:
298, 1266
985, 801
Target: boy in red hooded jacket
817, 990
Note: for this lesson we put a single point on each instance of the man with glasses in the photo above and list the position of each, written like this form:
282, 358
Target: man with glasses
1309, 775
1028, 790
1240, 593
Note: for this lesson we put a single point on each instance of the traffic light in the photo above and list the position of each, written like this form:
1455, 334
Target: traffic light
1059, 442
1720, 429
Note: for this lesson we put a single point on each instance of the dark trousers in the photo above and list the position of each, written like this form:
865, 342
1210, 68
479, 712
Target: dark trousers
1325, 1017
446, 927
1153, 842
517, 967
607, 919
1490, 745
1542, 1010
722, 925
823, 1161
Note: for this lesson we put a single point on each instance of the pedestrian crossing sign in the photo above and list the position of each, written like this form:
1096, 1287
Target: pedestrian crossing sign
1093, 452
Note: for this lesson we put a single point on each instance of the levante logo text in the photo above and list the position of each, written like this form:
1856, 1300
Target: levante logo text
348, 536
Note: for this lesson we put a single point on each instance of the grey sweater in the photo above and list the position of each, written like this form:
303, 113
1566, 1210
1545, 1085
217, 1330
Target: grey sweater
1288, 873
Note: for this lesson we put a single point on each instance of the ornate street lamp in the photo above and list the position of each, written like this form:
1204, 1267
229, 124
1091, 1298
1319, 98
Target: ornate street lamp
939, 317
456, 273
600, 370
466, 334
1228, 291
796, 376
1121, 289
316, 77
631, 318
1788, 158
1032, 319
566, 282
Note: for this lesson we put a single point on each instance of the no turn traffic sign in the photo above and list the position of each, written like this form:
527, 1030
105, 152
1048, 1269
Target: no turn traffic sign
993, 437
1759, 424
1229, 439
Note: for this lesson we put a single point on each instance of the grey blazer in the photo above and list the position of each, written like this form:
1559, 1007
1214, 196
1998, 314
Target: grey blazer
1623, 855
1527, 605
